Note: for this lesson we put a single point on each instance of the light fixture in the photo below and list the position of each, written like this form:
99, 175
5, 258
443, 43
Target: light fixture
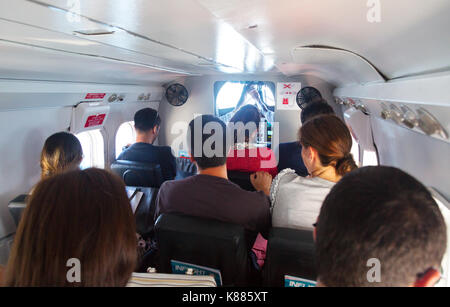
395, 114
112, 98
429, 124
409, 117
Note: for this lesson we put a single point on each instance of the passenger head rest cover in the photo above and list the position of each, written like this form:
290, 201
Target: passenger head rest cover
203, 242
289, 252
16, 207
138, 174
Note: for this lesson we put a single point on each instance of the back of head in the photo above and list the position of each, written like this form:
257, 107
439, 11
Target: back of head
245, 122
331, 138
316, 108
207, 139
146, 119
61, 152
82, 215
378, 213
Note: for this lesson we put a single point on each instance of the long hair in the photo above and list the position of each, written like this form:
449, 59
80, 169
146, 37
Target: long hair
61, 152
332, 140
248, 114
83, 215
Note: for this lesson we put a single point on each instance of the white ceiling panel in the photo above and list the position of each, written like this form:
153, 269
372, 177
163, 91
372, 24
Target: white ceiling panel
411, 38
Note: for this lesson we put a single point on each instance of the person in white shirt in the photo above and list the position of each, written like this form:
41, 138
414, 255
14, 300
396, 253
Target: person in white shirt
295, 200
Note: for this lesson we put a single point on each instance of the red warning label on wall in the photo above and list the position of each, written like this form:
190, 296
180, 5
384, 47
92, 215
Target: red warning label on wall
95, 120
95, 96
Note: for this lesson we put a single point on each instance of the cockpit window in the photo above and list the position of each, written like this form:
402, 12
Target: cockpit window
231, 95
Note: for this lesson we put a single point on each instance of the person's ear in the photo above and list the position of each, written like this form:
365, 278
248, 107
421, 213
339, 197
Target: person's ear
428, 279
155, 130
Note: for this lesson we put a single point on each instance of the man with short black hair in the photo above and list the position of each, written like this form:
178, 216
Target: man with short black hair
147, 123
290, 154
210, 194
379, 227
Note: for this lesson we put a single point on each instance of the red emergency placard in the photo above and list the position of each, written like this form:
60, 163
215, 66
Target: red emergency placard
95, 96
95, 120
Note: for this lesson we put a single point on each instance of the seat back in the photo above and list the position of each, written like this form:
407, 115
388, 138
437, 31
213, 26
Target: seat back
289, 252
242, 179
138, 174
145, 211
16, 207
202, 242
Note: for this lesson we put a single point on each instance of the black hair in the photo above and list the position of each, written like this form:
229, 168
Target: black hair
218, 134
314, 109
146, 119
383, 213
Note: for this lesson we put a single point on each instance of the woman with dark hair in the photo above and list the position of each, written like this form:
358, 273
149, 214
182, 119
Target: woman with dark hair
81, 220
296, 201
62, 152
244, 155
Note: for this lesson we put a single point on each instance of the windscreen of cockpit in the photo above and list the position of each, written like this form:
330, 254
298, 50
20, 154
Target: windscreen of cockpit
230, 96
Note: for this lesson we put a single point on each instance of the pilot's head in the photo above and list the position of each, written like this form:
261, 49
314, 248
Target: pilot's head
207, 141
319, 107
379, 227
147, 123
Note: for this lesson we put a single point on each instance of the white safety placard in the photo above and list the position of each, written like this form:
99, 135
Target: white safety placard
287, 94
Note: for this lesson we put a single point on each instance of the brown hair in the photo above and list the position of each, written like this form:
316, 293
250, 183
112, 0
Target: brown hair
61, 152
331, 138
246, 114
79, 214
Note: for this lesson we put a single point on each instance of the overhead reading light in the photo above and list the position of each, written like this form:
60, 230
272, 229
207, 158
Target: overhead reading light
429, 124
409, 117
395, 114
95, 32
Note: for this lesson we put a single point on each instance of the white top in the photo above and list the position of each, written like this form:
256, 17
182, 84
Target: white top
296, 200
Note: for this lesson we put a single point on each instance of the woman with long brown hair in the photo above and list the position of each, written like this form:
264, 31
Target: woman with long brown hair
296, 201
61, 152
78, 220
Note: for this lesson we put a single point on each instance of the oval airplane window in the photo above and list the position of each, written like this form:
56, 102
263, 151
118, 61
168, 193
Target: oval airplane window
125, 136
93, 149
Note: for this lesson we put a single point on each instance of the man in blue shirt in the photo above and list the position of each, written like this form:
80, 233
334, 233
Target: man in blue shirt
290, 154
147, 123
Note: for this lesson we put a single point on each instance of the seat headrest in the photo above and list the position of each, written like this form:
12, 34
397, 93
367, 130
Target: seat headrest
16, 207
138, 174
202, 242
242, 179
289, 252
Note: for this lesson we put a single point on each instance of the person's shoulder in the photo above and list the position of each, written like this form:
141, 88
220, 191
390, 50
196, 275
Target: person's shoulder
165, 150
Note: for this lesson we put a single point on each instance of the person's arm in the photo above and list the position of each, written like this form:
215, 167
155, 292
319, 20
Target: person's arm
261, 181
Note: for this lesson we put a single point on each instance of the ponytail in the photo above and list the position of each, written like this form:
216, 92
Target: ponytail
345, 165
331, 138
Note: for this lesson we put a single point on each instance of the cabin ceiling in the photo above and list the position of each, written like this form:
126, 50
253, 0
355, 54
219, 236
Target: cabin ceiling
163, 39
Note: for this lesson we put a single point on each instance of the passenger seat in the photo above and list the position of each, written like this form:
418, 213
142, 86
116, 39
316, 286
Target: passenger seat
290, 252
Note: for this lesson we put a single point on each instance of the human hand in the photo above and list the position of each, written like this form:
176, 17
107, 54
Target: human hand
261, 181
